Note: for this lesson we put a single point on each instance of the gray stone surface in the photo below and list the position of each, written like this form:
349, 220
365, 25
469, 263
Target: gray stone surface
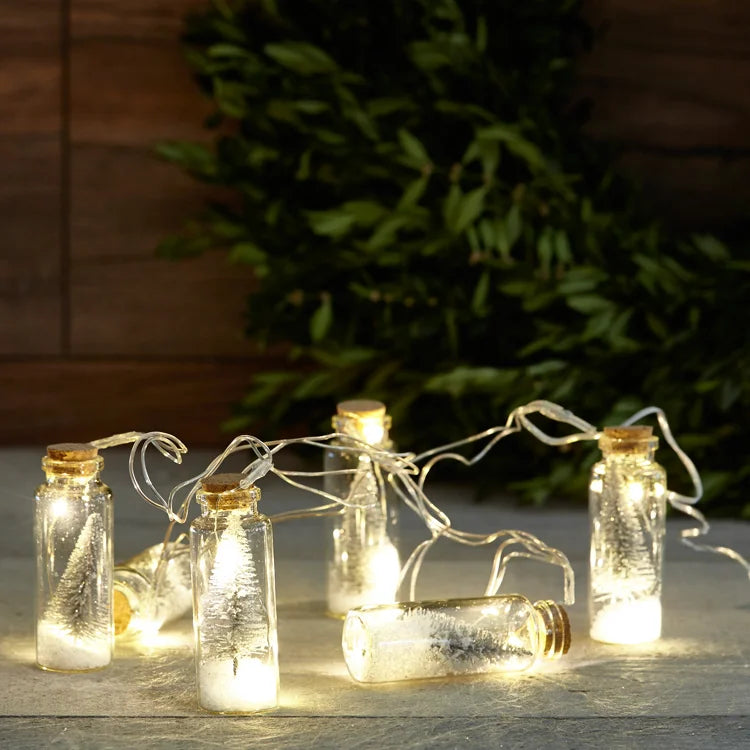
690, 689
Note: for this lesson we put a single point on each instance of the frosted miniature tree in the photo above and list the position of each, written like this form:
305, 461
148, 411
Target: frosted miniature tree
234, 620
631, 530
459, 643
77, 606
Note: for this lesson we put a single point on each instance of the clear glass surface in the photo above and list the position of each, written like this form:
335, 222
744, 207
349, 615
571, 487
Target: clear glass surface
363, 564
73, 533
234, 611
627, 513
419, 640
150, 605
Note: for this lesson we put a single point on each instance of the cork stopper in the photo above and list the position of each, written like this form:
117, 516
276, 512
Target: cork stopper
122, 611
223, 492
222, 482
627, 439
72, 452
557, 628
361, 408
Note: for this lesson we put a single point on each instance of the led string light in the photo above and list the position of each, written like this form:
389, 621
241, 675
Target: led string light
398, 470
519, 419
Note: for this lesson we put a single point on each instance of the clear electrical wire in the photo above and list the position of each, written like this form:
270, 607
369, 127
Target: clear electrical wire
398, 470
685, 503
519, 419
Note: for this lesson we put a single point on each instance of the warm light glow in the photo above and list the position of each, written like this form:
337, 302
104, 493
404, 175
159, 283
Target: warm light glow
153, 638
659, 489
635, 492
628, 621
231, 557
59, 508
370, 428
596, 485
247, 685
377, 580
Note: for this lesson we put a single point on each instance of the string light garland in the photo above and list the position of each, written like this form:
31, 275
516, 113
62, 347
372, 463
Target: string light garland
234, 615
628, 497
232, 566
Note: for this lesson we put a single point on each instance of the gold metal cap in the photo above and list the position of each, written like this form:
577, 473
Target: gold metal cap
557, 626
72, 452
123, 612
223, 492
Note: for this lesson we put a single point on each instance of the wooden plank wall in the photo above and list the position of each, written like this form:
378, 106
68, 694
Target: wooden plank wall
98, 336
670, 81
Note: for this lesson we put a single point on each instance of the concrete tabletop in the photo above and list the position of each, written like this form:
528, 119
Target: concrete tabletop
690, 689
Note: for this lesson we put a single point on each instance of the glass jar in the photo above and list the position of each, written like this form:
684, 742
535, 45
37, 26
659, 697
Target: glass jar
627, 508
73, 533
234, 599
149, 592
419, 640
363, 564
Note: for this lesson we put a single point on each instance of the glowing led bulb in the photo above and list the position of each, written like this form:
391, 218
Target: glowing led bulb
627, 511
421, 640
234, 601
73, 531
363, 562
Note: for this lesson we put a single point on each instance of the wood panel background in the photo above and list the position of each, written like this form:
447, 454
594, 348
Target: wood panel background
97, 335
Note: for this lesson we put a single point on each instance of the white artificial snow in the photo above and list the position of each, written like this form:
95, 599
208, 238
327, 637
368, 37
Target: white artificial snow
58, 650
421, 643
252, 686
627, 621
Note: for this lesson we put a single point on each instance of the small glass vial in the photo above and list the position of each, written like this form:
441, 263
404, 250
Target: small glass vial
234, 599
149, 591
73, 533
363, 562
627, 507
420, 640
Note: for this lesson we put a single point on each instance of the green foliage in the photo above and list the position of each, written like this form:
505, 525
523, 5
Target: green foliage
428, 227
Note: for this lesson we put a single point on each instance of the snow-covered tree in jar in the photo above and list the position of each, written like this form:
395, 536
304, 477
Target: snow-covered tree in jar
234, 600
73, 532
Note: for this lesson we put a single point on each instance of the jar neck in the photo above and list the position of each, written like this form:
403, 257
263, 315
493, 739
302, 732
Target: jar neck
78, 472
628, 448
645, 455
250, 510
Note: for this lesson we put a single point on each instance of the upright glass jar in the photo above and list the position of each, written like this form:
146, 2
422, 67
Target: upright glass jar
363, 561
419, 640
627, 504
73, 533
152, 589
234, 599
